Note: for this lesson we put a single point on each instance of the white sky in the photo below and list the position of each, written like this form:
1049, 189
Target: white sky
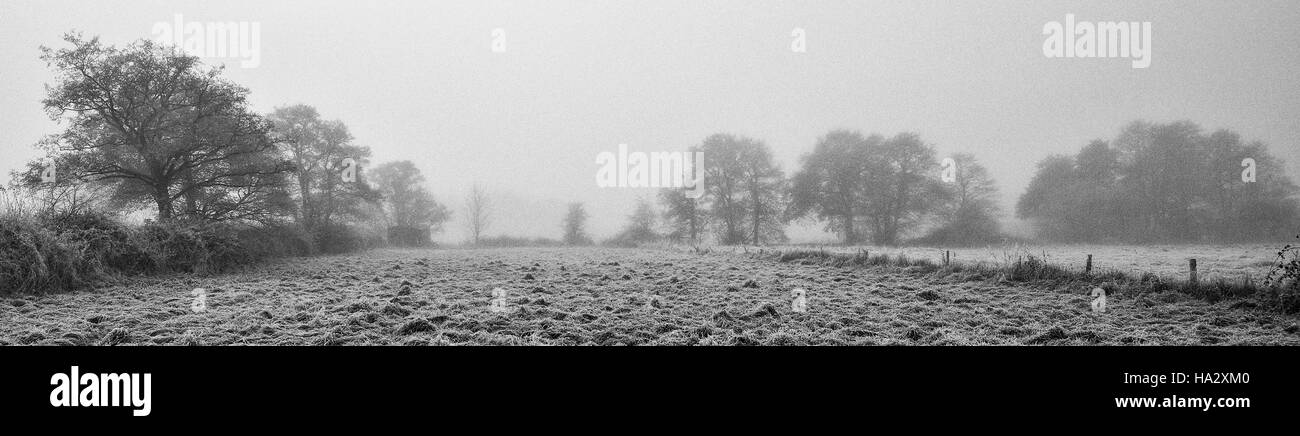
417, 80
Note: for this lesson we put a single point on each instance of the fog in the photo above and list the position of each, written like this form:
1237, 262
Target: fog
419, 81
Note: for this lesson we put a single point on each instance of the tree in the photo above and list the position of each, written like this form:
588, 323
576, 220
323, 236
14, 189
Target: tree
684, 216
968, 212
829, 183
318, 150
154, 125
744, 189
1045, 200
722, 174
640, 225
478, 212
901, 186
765, 194
413, 214
1162, 182
575, 225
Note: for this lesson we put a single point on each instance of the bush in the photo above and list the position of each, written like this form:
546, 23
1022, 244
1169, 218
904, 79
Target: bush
511, 241
277, 240
1284, 279
403, 236
105, 241
34, 259
68, 251
337, 238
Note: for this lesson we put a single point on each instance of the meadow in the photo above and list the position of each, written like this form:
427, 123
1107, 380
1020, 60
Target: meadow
631, 296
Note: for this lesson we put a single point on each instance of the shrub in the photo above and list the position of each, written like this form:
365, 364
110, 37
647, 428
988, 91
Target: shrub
104, 240
511, 241
404, 236
67, 251
1284, 279
277, 240
33, 259
337, 238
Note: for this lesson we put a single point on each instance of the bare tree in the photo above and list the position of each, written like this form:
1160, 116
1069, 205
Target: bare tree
575, 225
478, 212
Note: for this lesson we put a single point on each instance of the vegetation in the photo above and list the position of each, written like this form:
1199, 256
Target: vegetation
147, 126
575, 225
1162, 183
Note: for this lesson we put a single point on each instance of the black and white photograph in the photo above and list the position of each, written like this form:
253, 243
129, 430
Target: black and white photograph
973, 181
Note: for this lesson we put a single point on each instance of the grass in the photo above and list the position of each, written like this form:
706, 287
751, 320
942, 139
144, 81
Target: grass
615, 296
1028, 268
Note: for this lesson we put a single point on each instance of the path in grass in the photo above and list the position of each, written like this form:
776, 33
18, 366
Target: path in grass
575, 296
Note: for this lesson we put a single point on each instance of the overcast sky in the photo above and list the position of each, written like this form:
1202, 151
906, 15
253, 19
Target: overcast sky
419, 81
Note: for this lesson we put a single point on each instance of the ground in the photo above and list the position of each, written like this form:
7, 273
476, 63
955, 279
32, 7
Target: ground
607, 296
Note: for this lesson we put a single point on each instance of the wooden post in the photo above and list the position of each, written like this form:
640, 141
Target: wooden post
1088, 266
1191, 263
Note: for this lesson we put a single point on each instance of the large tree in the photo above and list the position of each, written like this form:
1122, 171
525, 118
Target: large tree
319, 150
724, 172
829, 184
765, 190
901, 185
159, 128
744, 188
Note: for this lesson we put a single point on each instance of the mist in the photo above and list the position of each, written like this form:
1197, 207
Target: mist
421, 82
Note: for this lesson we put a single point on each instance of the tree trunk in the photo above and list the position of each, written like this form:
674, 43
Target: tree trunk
850, 236
694, 216
164, 201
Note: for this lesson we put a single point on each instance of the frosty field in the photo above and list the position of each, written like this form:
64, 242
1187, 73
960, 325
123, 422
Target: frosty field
607, 296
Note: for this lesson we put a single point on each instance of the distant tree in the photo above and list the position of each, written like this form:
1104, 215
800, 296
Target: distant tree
640, 225
744, 189
901, 186
724, 173
765, 189
575, 225
318, 150
1042, 202
153, 124
407, 203
478, 212
683, 214
829, 183
968, 214
1162, 182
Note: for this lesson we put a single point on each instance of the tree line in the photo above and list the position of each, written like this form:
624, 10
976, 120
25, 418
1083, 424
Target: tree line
149, 126
1163, 183
862, 187
1153, 183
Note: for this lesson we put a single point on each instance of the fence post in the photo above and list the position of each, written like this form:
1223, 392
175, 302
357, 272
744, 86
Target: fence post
1088, 267
1191, 263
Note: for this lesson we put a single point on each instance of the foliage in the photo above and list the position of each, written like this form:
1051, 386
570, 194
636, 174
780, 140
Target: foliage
575, 225
157, 128
1162, 183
